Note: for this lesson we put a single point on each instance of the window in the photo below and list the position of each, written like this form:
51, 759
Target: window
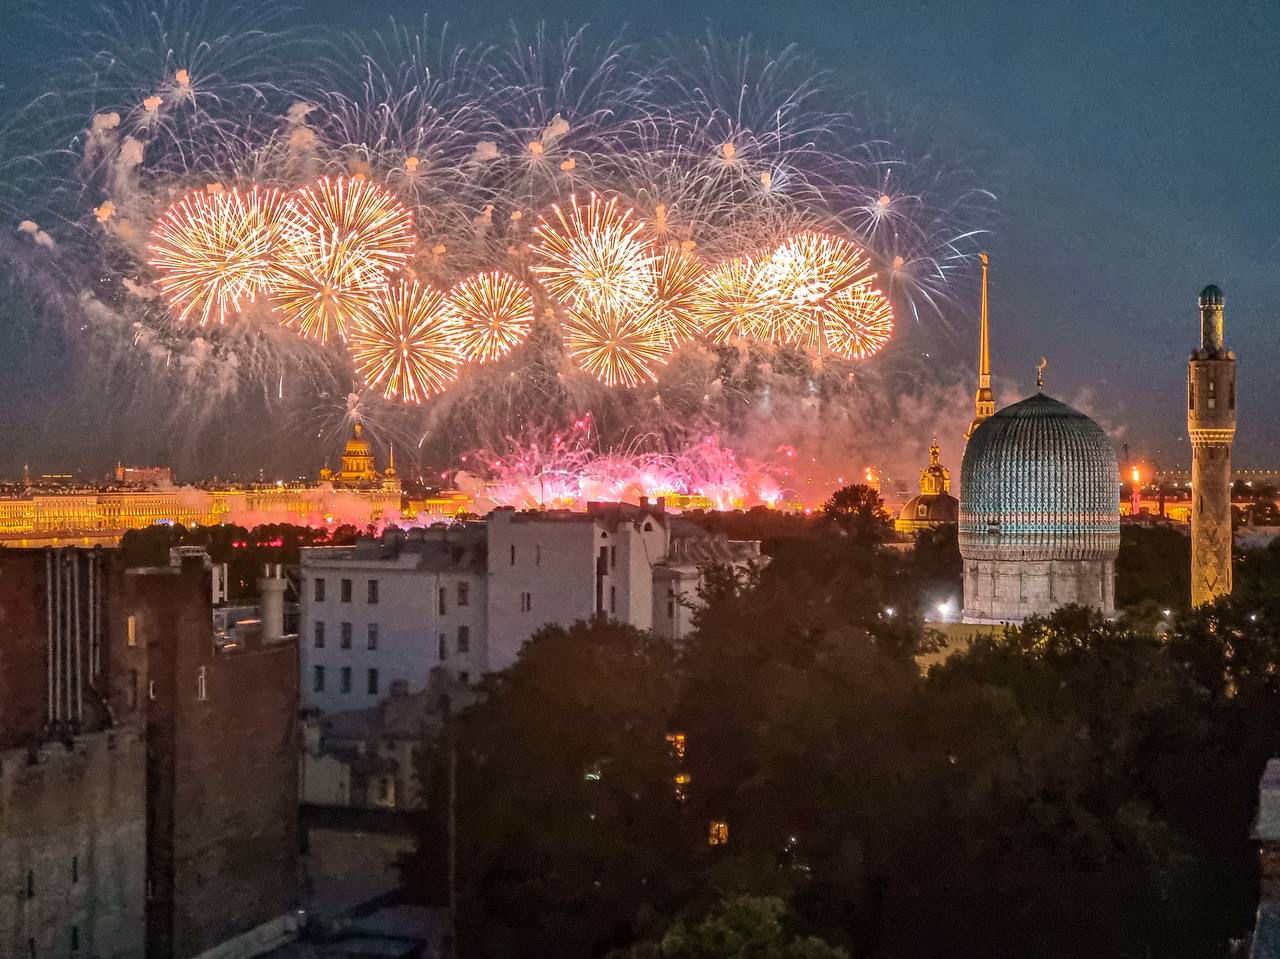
373, 682
31, 949
613, 556
526, 602
671, 604
317, 679
441, 601
345, 639
537, 554
131, 630
384, 789
717, 832
319, 630
373, 635
613, 599
75, 938
922, 510
31, 884
442, 652
648, 527
75, 868
1191, 395
464, 639
151, 690
202, 683
319, 589
373, 592
346, 679
513, 554
464, 594
346, 591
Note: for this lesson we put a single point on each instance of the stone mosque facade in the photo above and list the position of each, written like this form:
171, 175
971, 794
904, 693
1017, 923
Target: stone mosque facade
1039, 522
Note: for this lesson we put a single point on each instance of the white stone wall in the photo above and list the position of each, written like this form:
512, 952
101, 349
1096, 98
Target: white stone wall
1005, 591
410, 626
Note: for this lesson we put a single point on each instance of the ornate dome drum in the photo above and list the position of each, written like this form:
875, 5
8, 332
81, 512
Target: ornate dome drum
1039, 513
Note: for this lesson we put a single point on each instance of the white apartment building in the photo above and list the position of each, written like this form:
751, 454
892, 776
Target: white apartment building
465, 598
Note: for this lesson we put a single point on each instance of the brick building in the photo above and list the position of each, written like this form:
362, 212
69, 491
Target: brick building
127, 735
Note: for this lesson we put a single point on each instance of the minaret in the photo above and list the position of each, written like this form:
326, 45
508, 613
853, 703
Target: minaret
1211, 423
984, 403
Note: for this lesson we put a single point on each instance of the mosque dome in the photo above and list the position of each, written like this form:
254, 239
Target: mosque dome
1039, 482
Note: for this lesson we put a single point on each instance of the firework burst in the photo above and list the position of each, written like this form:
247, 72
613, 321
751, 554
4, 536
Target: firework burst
676, 277
591, 254
216, 250
619, 346
406, 345
493, 313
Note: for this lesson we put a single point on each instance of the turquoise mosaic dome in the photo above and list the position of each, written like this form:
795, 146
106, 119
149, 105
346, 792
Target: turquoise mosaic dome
1039, 482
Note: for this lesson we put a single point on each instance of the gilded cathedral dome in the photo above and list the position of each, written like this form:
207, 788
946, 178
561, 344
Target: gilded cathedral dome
1039, 482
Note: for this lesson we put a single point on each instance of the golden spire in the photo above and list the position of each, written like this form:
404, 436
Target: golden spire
984, 404
935, 452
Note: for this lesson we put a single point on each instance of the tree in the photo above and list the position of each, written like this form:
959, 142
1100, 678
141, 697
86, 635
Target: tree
745, 927
859, 511
568, 825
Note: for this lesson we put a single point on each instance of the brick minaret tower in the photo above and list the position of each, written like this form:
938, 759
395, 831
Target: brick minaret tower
1211, 423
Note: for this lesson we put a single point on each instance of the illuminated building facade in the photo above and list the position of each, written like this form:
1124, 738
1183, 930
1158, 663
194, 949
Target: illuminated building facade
1211, 424
934, 506
358, 495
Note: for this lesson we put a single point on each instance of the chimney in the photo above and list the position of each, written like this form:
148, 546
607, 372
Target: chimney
271, 588
662, 504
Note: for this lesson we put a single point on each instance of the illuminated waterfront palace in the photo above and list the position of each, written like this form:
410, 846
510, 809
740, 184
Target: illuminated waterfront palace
1039, 519
358, 494
1211, 424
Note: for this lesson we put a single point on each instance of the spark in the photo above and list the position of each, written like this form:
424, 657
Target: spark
618, 346
591, 254
216, 250
406, 345
493, 313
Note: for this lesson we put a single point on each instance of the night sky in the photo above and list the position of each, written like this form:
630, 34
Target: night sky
1133, 147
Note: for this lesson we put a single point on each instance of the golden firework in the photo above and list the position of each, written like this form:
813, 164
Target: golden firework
405, 345
857, 322
216, 250
804, 280
590, 254
677, 274
728, 302
618, 346
493, 313
343, 237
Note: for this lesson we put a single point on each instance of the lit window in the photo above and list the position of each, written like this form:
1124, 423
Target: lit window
131, 630
681, 783
345, 677
346, 591
464, 639
373, 635
717, 833
319, 631
345, 638
373, 591
317, 680
202, 683
464, 594
373, 682
677, 742
319, 589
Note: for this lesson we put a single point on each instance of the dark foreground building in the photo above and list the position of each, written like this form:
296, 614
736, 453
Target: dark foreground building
148, 775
